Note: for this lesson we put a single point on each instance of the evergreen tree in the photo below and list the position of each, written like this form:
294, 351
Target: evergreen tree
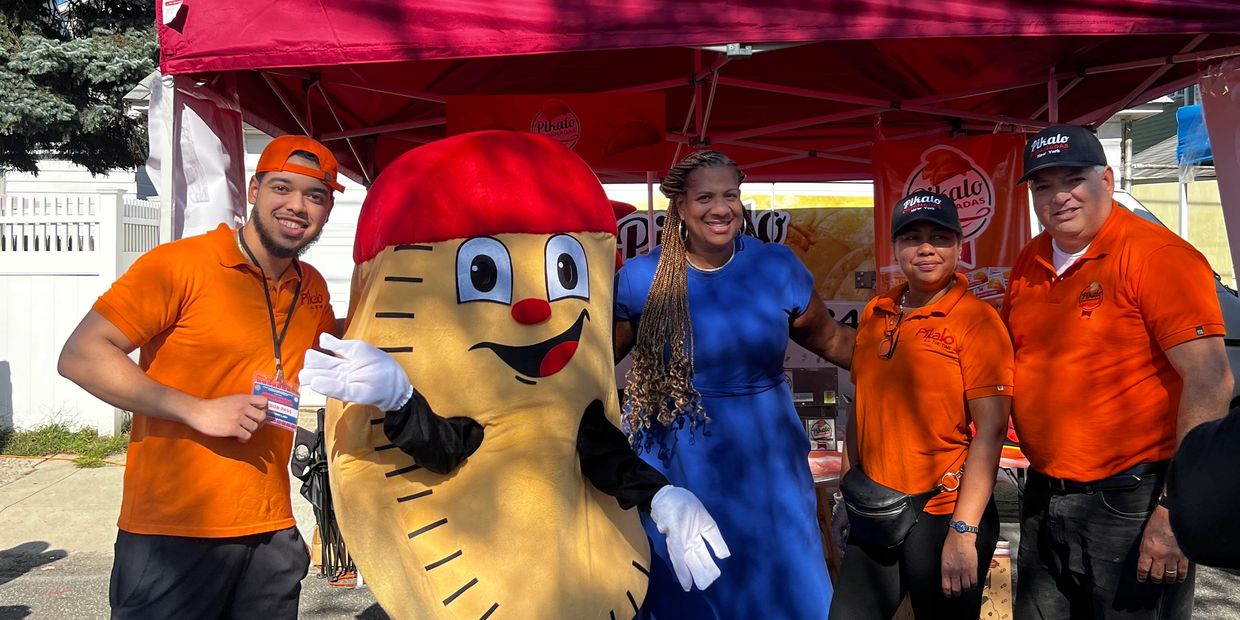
65, 69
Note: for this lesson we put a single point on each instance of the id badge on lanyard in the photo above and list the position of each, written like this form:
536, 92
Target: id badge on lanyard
282, 396
282, 399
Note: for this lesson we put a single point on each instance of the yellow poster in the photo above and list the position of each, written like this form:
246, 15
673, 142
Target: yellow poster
832, 235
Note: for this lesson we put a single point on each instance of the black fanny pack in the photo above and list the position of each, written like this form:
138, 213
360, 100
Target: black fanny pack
879, 516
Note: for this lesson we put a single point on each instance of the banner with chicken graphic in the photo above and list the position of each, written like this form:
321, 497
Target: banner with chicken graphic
980, 174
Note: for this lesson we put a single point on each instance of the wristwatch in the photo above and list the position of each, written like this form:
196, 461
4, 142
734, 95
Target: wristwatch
962, 527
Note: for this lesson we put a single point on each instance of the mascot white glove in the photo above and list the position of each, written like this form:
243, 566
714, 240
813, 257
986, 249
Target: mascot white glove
359, 373
682, 518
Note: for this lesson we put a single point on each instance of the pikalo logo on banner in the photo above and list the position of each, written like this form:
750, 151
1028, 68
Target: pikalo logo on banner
980, 175
556, 120
634, 236
611, 132
946, 170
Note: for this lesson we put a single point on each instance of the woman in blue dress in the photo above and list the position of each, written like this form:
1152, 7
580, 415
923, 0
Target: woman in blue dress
708, 317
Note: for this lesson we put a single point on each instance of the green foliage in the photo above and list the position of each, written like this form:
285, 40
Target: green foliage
88, 462
65, 75
57, 438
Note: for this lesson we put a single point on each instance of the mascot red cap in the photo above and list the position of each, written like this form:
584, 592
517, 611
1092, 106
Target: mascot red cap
554, 191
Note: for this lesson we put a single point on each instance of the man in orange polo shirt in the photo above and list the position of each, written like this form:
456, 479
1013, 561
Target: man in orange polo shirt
1119, 352
206, 524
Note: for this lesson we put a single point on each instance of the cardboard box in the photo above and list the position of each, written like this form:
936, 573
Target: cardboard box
316, 549
905, 611
997, 597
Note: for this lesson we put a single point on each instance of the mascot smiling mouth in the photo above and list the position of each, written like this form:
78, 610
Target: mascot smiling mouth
542, 359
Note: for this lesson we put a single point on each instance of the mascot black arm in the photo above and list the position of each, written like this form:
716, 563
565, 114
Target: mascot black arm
1203, 498
610, 464
438, 444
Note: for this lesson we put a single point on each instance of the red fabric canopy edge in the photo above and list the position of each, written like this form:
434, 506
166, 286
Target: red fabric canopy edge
224, 35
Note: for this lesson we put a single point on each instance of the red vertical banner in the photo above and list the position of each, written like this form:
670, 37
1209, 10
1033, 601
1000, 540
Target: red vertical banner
979, 174
1220, 98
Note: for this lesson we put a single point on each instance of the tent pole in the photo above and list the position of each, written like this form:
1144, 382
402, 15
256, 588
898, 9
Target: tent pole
798, 124
1052, 98
797, 152
697, 93
645, 88
1183, 210
710, 103
973, 116
1126, 154
804, 92
1059, 94
1184, 82
823, 154
684, 130
307, 112
974, 93
666, 84
859, 145
168, 160
879, 104
381, 129
780, 160
389, 91
1134, 96
330, 108
288, 105
1182, 57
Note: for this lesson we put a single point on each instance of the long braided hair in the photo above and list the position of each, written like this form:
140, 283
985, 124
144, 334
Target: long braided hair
660, 382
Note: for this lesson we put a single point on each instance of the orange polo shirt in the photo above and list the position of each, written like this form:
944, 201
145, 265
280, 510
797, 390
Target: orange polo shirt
1098, 394
911, 415
196, 309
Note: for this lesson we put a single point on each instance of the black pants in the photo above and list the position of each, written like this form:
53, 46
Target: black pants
872, 582
1078, 556
256, 576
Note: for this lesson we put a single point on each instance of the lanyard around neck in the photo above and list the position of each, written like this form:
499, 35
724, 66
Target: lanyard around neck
276, 340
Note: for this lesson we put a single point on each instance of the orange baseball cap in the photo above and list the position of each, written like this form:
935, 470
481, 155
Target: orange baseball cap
275, 158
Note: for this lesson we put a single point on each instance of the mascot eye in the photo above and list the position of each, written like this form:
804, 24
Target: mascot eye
567, 272
483, 271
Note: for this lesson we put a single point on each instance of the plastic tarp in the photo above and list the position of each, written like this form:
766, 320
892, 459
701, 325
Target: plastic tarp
1192, 145
802, 95
196, 136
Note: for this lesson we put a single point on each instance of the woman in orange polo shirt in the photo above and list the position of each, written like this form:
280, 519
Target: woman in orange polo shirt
930, 360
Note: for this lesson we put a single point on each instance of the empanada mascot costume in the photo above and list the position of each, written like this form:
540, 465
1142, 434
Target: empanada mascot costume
475, 462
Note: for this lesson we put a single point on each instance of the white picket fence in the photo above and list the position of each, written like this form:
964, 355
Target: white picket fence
57, 255
78, 234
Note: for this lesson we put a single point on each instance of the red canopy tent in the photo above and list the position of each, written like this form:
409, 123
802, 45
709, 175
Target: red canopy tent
793, 90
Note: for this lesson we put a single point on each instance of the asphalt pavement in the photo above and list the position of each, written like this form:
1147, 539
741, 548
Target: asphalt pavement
58, 524
57, 528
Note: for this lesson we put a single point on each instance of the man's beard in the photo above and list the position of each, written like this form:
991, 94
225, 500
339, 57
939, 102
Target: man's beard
270, 243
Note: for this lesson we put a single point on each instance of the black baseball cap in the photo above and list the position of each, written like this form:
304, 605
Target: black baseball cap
1062, 145
925, 206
